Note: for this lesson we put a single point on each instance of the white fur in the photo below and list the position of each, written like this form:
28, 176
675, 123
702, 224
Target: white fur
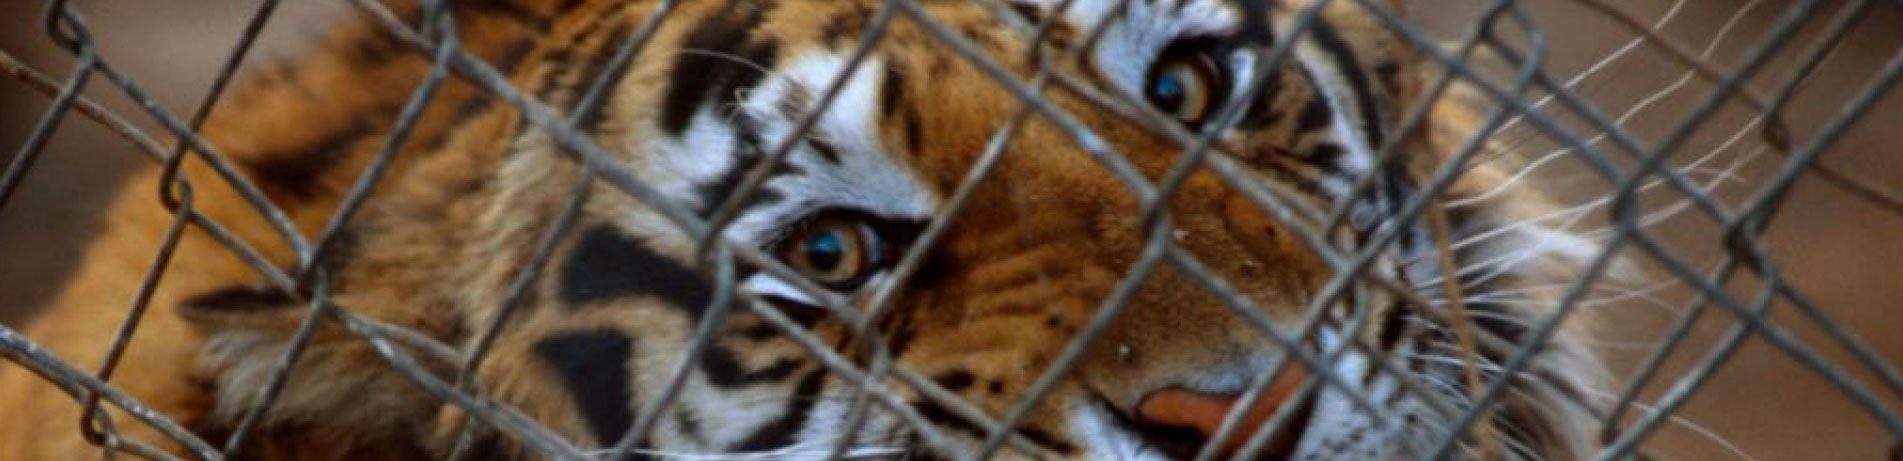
700, 155
1143, 31
1103, 439
1347, 119
867, 176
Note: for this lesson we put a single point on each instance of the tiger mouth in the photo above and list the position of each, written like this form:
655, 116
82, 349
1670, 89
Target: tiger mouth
1185, 443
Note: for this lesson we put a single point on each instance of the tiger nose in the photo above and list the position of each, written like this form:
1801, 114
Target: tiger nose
1204, 412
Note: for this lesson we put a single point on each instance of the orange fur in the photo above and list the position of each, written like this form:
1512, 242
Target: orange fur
1049, 236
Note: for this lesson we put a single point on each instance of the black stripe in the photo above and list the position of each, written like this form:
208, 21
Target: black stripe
594, 367
490, 443
826, 150
1396, 184
747, 156
697, 78
591, 120
982, 35
572, 75
724, 369
1350, 68
955, 380
287, 74
1388, 70
1287, 174
891, 89
759, 331
512, 10
914, 132
466, 112
298, 170
1393, 323
557, 58
239, 297
512, 55
1315, 114
849, 23
1257, 29
1257, 32
900, 337
690, 426
715, 193
1031, 14
606, 264
1324, 156
1495, 320
568, 5
1262, 111
781, 431
376, 50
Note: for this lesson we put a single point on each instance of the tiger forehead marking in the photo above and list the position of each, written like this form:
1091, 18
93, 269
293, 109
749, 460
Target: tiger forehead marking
1045, 240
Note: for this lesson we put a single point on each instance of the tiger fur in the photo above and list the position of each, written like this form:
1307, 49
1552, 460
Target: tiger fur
1043, 243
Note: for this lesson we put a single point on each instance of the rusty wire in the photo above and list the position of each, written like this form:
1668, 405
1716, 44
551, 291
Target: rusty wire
1631, 164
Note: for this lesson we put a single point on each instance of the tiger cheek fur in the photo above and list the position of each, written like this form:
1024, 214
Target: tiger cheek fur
1044, 244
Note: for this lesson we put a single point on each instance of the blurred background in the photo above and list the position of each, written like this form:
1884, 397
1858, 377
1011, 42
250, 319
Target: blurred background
1840, 250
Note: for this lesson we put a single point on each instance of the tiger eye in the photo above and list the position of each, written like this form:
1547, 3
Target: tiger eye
830, 251
1185, 83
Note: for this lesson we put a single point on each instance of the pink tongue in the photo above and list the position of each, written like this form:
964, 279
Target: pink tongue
1204, 412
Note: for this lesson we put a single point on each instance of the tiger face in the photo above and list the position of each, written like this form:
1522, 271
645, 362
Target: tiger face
1069, 291
1053, 238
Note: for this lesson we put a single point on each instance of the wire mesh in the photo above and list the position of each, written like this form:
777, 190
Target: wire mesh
1526, 101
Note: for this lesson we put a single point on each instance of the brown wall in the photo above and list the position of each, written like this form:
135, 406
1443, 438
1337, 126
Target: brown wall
1838, 250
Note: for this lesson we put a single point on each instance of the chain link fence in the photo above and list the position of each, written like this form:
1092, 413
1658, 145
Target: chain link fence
1719, 302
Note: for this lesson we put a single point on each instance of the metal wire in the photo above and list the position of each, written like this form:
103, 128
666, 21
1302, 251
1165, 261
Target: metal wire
1516, 95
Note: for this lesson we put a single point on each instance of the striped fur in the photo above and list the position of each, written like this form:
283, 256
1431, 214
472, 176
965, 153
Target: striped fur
1043, 243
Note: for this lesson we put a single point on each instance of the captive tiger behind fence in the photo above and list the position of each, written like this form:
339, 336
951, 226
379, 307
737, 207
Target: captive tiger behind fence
983, 229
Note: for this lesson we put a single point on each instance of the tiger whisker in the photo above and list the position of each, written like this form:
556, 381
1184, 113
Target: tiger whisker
1683, 79
1642, 293
737, 59
1591, 70
1504, 263
1571, 215
1680, 421
1604, 62
1456, 391
1584, 339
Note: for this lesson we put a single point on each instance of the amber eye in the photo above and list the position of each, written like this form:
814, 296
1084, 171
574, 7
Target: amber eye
832, 251
1186, 83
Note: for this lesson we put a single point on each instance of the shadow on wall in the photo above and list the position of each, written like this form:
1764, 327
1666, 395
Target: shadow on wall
1839, 250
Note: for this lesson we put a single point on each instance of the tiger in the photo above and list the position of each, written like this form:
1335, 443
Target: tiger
478, 192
